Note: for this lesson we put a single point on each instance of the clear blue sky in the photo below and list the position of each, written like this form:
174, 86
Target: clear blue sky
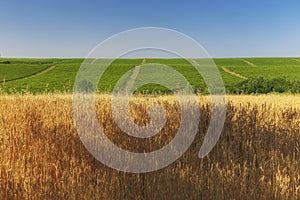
225, 28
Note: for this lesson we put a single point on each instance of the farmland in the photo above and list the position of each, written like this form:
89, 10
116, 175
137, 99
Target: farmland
25, 76
257, 156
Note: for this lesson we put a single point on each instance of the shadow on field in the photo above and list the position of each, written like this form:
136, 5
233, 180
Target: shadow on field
41, 155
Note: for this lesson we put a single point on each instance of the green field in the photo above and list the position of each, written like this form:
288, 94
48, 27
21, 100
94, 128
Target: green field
239, 74
12, 69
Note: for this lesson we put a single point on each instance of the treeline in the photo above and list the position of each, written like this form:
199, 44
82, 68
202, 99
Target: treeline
260, 85
35, 62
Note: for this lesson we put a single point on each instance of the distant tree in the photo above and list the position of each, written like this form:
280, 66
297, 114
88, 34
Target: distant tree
260, 85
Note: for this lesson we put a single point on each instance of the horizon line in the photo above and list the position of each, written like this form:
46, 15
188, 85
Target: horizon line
52, 57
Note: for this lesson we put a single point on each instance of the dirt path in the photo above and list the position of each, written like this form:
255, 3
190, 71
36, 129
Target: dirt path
31, 75
249, 63
297, 60
144, 61
133, 76
233, 73
40, 72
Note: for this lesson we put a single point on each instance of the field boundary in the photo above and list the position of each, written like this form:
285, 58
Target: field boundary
233, 73
249, 63
30, 75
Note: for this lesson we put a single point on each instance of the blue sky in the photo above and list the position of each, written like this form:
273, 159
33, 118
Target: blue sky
225, 28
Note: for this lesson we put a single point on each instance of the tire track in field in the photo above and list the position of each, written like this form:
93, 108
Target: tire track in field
37, 73
233, 73
249, 63
132, 77
144, 61
41, 72
297, 60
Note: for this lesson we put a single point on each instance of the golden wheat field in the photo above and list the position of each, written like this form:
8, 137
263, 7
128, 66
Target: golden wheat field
257, 156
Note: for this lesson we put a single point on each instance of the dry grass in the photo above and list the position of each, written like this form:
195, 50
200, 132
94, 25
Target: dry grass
257, 156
